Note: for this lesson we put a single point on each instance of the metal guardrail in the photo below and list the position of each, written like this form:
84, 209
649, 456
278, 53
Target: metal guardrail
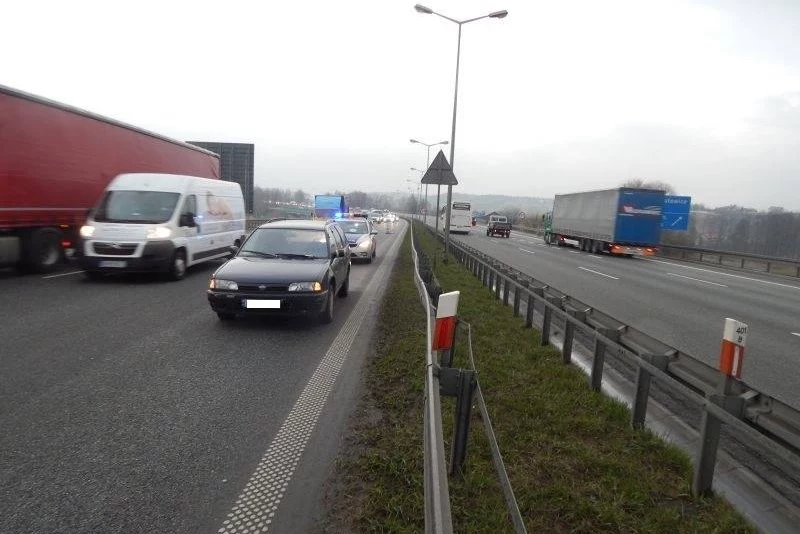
497, 457
438, 519
742, 258
761, 420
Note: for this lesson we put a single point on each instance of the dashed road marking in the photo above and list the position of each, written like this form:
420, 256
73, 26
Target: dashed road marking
255, 509
62, 274
528, 251
697, 280
723, 274
796, 334
597, 272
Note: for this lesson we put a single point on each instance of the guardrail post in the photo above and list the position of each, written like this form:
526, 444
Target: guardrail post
710, 428
539, 292
569, 334
548, 317
492, 276
769, 265
517, 295
466, 387
643, 376
497, 283
506, 287
600, 355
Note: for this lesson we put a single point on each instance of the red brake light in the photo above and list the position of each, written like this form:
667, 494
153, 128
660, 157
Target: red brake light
66, 244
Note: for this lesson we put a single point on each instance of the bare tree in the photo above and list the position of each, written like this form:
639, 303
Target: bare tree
650, 184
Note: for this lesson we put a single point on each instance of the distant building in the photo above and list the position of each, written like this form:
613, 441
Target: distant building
237, 162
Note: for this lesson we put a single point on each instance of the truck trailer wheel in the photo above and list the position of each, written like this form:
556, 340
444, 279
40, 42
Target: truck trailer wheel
43, 250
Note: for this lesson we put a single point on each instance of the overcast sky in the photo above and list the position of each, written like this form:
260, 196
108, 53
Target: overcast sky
555, 98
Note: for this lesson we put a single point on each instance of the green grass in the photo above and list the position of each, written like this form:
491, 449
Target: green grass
574, 462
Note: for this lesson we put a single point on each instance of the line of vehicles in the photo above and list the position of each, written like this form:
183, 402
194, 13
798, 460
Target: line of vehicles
119, 199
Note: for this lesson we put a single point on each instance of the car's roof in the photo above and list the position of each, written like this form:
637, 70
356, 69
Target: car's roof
297, 224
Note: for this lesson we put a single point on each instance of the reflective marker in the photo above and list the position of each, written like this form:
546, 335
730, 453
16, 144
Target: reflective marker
734, 339
445, 329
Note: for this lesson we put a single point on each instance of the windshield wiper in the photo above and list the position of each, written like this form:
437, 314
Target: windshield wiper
298, 256
259, 253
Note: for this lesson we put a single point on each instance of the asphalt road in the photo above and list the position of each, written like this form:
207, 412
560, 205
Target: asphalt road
681, 304
127, 406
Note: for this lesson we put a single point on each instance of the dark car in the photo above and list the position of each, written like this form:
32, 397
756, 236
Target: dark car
284, 268
360, 235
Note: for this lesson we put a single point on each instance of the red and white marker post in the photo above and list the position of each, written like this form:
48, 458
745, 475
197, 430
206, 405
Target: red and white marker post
444, 333
731, 357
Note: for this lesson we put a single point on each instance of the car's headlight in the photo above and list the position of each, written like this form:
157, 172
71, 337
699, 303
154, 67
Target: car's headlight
364, 244
305, 286
228, 285
87, 231
159, 232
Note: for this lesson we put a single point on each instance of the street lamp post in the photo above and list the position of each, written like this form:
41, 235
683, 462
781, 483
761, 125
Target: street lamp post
419, 193
428, 11
428, 164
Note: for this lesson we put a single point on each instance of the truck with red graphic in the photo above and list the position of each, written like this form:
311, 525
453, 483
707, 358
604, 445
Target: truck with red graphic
624, 221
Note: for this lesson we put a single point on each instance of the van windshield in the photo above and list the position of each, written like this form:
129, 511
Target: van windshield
149, 207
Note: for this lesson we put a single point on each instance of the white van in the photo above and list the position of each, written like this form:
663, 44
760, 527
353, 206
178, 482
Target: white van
161, 223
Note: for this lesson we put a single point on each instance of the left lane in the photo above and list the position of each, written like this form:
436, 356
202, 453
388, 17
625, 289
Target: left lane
127, 406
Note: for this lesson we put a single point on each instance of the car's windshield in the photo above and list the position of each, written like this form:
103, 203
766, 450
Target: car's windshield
150, 207
286, 242
353, 227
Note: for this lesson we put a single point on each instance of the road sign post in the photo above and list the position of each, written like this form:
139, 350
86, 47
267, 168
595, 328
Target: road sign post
441, 173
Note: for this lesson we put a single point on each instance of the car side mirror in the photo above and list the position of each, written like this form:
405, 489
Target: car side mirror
374, 232
340, 253
334, 254
234, 249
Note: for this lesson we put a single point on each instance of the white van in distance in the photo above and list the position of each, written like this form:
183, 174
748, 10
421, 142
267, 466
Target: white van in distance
161, 223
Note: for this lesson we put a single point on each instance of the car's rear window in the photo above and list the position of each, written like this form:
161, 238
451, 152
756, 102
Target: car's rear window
353, 227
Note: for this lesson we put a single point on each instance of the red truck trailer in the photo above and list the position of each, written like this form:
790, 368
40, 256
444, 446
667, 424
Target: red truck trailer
55, 162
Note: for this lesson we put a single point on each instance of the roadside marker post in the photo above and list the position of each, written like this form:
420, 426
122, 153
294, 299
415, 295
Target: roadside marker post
444, 332
734, 338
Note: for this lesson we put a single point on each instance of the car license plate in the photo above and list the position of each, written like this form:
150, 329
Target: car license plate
262, 304
114, 264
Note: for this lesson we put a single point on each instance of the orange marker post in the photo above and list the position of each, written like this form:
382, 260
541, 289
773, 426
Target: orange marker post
731, 358
444, 332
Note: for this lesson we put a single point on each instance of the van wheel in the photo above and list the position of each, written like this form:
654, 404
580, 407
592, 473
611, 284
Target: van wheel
177, 270
326, 317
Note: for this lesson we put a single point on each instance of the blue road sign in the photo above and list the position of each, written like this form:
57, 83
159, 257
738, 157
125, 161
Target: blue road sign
676, 213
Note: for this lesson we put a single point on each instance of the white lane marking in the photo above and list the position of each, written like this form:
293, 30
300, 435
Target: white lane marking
62, 274
697, 280
575, 251
594, 257
796, 334
256, 506
723, 274
601, 274
528, 251
539, 244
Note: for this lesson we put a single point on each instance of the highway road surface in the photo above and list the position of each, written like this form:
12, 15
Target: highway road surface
127, 406
681, 304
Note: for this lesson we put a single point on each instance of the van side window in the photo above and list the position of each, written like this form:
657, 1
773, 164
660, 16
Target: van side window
190, 205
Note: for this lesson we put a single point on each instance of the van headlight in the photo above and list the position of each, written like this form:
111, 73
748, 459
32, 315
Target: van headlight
87, 230
159, 232
227, 285
305, 286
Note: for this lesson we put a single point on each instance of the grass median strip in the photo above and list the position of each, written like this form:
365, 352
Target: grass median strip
574, 462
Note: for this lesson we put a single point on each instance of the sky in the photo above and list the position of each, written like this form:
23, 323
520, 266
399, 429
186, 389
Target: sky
557, 97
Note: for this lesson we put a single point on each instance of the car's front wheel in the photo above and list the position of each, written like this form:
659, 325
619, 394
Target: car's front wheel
326, 317
345, 288
224, 316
